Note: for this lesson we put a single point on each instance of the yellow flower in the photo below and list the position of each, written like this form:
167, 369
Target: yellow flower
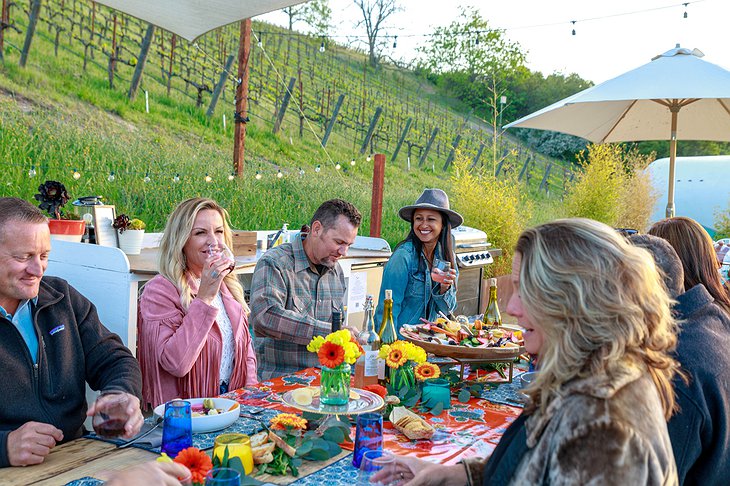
384, 351
424, 371
315, 344
396, 358
352, 352
417, 354
286, 421
340, 337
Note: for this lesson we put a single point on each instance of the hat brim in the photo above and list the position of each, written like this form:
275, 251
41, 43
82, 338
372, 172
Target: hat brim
406, 213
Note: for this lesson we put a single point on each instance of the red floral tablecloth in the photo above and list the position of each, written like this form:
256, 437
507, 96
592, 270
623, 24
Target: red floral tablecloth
467, 429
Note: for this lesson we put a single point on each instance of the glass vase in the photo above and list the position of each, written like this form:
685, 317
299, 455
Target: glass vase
334, 385
402, 378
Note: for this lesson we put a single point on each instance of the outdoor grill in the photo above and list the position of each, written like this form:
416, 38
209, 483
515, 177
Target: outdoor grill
472, 255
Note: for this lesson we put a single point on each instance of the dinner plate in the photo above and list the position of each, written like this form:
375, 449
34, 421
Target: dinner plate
366, 402
210, 423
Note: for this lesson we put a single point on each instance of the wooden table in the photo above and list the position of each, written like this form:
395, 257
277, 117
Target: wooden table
87, 457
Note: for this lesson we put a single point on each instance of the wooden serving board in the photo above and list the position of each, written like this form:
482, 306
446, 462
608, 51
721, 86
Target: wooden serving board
466, 352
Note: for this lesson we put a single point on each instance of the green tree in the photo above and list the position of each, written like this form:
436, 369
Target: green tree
317, 14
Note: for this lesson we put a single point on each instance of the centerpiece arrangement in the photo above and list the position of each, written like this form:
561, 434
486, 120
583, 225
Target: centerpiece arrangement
402, 358
336, 352
52, 196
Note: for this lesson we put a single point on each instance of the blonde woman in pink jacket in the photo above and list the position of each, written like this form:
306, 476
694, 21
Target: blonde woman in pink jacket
193, 336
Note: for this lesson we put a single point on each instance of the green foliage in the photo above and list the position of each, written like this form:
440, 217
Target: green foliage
497, 206
612, 188
722, 223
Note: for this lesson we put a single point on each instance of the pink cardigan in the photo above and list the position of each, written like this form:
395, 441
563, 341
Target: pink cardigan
180, 352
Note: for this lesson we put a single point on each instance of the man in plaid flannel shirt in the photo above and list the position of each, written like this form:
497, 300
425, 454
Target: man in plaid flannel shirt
297, 286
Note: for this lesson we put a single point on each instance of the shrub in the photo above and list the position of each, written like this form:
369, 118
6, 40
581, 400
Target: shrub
494, 205
612, 187
722, 223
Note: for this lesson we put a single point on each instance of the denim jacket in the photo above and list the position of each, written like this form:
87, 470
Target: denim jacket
414, 294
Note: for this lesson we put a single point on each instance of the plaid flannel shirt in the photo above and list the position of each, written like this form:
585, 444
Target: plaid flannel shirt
290, 304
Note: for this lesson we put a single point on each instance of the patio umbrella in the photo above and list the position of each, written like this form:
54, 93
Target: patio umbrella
675, 96
192, 18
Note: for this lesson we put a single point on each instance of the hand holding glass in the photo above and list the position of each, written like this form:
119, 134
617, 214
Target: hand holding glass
111, 414
225, 253
440, 270
380, 462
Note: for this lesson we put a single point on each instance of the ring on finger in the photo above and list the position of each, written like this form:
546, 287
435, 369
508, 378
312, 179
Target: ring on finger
214, 274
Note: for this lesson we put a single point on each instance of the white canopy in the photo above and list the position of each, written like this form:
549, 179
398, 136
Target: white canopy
645, 104
192, 18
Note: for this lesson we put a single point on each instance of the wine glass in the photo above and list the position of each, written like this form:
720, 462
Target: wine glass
440, 270
111, 414
376, 461
225, 252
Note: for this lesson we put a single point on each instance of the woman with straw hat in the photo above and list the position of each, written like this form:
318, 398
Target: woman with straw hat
408, 273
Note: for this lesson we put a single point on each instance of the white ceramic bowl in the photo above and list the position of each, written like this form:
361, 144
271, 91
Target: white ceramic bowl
527, 378
210, 423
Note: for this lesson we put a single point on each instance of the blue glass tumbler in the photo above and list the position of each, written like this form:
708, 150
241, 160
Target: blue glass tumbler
223, 476
177, 428
368, 435
436, 390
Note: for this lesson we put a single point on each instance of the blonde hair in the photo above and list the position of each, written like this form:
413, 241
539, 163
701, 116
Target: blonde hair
601, 304
173, 265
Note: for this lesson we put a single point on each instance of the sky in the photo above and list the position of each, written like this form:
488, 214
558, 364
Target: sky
611, 37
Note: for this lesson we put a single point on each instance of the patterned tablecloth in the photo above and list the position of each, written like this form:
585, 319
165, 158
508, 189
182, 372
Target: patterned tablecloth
465, 430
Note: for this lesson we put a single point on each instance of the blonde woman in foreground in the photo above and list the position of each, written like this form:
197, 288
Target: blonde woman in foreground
596, 313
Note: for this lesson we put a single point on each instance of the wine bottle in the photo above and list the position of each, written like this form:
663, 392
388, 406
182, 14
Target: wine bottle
386, 333
492, 317
366, 367
336, 321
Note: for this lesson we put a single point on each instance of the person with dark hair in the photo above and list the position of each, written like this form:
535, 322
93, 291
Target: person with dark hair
700, 431
408, 271
695, 249
51, 344
296, 288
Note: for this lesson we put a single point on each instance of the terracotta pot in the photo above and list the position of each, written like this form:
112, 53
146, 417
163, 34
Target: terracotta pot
68, 230
130, 241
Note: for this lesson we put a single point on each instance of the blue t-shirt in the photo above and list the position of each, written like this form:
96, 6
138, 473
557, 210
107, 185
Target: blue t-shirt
23, 320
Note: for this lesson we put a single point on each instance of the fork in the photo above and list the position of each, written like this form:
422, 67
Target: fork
131, 441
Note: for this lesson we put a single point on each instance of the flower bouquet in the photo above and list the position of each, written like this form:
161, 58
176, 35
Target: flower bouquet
402, 357
336, 352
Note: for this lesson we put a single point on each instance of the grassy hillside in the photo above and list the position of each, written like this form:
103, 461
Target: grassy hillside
58, 117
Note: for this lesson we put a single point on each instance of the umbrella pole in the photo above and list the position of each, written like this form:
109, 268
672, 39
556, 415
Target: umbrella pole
672, 158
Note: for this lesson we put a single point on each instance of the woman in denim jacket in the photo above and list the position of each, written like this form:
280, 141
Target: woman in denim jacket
408, 271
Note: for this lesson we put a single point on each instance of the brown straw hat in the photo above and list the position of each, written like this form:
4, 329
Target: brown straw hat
435, 199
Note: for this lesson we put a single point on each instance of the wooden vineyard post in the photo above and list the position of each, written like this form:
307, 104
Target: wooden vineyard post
371, 129
475, 161
4, 24
524, 168
241, 115
113, 54
452, 154
172, 58
35, 9
141, 61
401, 139
284, 105
219, 87
544, 182
428, 146
333, 120
376, 205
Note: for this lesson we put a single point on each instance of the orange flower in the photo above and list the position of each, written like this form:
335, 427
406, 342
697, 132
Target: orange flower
424, 371
354, 340
197, 461
285, 421
331, 355
396, 358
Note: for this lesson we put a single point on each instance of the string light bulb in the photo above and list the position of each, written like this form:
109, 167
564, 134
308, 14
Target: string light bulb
321, 46
258, 176
279, 175
176, 178
317, 169
338, 166
31, 172
260, 43
231, 176
208, 178
685, 9
301, 172
352, 162
573, 22
395, 42
367, 159
111, 176
147, 177
77, 174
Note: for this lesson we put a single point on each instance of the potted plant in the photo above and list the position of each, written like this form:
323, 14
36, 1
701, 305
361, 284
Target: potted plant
52, 196
130, 233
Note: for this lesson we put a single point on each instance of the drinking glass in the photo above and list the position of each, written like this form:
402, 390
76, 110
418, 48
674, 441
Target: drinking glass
223, 476
374, 462
111, 414
368, 435
225, 253
238, 445
177, 428
440, 270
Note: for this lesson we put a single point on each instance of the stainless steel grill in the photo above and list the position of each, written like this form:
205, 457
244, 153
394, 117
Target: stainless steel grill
472, 255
